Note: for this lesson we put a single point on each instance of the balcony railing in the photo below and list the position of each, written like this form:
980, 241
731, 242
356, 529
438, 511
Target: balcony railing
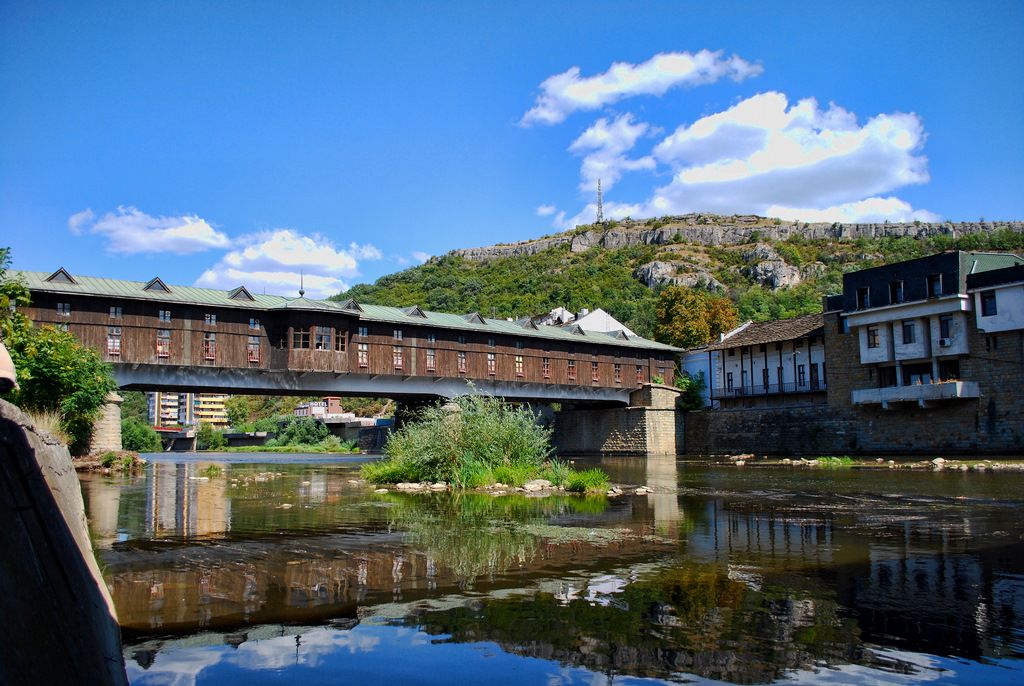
922, 394
771, 389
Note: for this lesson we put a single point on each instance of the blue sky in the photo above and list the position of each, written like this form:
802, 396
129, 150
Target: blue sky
226, 143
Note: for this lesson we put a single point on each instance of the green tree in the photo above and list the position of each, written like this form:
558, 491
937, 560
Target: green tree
688, 317
208, 438
134, 406
139, 436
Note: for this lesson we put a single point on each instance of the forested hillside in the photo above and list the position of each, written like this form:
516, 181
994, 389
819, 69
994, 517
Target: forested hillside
766, 278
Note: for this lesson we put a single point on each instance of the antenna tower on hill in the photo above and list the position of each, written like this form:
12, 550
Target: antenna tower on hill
600, 204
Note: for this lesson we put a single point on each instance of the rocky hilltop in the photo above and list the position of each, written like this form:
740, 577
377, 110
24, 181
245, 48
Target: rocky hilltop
717, 230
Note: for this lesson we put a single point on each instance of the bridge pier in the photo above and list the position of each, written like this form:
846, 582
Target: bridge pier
106, 431
650, 425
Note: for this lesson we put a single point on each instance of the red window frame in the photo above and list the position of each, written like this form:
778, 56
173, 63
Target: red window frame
431, 360
462, 362
492, 364
595, 374
363, 355
397, 357
546, 367
572, 370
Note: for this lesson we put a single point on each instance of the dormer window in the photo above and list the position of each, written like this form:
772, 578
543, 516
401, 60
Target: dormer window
934, 285
895, 292
863, 298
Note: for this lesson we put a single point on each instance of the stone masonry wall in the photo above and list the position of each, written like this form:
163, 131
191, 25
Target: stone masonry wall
106, 432
650, 426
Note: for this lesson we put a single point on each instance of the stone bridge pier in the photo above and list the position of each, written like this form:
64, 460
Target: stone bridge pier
650, 425
106, 431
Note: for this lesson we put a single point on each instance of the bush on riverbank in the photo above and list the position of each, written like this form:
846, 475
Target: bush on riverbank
139, 436
474, 442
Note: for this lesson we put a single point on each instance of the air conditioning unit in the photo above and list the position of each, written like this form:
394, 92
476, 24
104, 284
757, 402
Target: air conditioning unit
945, 342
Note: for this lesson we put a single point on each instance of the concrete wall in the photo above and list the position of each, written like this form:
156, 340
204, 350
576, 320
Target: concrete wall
58, 620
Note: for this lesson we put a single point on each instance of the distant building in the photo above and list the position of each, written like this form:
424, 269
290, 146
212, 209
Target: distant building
329, 408
598, 320
187, 409
769, 363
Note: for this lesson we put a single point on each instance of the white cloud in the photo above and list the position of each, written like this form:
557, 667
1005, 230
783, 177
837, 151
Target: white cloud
562, 94
604, 146
801, 161
130, 231
546, 210
276, 261
420, 256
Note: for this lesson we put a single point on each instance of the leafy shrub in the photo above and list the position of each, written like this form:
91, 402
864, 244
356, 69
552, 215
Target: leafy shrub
513, 475
139, 436
556, 471
587, 480
692, 388
208, 438
301, 431
835, 462
108, 459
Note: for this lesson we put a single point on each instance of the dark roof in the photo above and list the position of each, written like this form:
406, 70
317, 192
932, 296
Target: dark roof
757, 333
996, 277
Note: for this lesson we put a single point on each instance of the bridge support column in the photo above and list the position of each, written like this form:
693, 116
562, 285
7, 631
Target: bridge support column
106, 432
651, 425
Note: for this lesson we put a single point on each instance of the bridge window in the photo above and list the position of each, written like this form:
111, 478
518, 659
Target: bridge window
519, 365
396, 356
253, 350
594, 375
363, 331
462, 362
618, 373
300, 339
519, 345
398, 334
114, 341
209, 346
546, 367
165, 315
639, 373
431, 338
462, 340
431, 359
210, 319
363, 354
492, 364
323, 338
254, 324
341, 340
163, 343
490, 342
572, 370
64, 309
115, 311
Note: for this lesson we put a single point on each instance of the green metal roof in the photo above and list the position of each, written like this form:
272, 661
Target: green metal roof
192, 295
977, 262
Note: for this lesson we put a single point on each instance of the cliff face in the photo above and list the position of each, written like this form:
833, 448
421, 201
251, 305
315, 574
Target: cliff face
716, 230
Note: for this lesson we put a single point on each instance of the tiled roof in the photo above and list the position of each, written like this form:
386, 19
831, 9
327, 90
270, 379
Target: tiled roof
192, 295
770, 332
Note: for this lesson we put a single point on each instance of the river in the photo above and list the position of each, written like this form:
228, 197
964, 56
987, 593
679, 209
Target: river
276, 569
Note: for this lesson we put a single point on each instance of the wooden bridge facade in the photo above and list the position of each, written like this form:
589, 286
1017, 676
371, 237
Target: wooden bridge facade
177, 337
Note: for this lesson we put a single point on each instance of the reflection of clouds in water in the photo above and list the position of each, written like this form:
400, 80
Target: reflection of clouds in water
920, 668
175, 668
275, 653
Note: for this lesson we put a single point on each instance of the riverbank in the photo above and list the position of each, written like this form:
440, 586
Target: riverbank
845, 462
287, 449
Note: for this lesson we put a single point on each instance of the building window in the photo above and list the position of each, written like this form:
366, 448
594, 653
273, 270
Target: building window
991, 343
300, 339
572, 370
462, 340
988, 304
728, 382
519, 345
594, 375
396, 357
732, 352
490, 342
873, 337
801, 375
908, 333
779, 377
165, 315
209, 346
211, 319
253, 350
322, 338
618, 373
945, 326
64, 309
163, 343
863, 298
363, 355
895, 292
763, 348
115, 311
254, 324
519, 365
546, 367
764, 378
462, 362
114, 341
397, 334
431, 338
934, 285
362, 331
639, 373
340, 345
492, 364
431, 359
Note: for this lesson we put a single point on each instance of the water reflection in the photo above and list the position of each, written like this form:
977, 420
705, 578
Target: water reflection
746, 577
